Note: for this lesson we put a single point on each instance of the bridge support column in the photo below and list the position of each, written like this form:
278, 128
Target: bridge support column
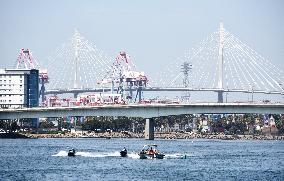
140, 94
149, 129
220, 97
42, 92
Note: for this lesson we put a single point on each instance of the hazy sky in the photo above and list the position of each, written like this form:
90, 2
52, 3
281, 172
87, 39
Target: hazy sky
154, 32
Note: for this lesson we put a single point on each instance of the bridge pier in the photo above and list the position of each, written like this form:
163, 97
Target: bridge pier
140, 94
76, 95
220, 96
149, 129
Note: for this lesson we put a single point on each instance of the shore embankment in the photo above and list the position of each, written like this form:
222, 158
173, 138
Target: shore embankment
171, 135
13, 135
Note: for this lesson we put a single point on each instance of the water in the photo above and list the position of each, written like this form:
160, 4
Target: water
98, 159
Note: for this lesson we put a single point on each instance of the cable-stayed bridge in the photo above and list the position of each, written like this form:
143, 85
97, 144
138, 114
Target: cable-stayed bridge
219, 63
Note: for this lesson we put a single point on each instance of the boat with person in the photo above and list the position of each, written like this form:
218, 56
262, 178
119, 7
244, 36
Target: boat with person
123, 153
150, 152
71, 152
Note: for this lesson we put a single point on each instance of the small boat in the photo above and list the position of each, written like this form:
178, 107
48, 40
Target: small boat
71, 152
123, 152
150, 152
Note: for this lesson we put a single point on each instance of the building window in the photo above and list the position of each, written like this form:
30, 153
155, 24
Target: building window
21, 81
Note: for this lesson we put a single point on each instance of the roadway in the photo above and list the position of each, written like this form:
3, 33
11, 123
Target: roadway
143, 110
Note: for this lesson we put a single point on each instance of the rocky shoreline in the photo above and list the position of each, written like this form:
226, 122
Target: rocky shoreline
13, 136
157, 135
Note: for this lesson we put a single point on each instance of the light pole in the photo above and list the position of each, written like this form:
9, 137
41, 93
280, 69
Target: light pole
282, 88
252, 86
251, 93
227, 94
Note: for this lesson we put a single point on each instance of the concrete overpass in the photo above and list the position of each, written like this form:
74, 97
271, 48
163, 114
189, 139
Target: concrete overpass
147, 111
143, 110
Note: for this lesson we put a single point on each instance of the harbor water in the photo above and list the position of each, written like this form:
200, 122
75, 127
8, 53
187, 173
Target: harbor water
99, 159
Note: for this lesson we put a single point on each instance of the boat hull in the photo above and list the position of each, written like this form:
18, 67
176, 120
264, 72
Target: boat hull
71, 154
151, 156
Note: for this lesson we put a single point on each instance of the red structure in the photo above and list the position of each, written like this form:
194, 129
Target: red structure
25, 60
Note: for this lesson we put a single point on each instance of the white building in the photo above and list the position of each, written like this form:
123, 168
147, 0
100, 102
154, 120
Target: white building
19, 88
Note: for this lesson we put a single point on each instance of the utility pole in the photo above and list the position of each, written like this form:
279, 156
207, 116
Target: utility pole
252, 86
251, 93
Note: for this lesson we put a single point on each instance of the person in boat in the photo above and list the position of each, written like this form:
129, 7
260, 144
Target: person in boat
123, 152
151, 151
155, 151
71, 152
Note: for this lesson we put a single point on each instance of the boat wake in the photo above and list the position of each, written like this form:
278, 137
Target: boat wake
98, 154
89, 154
132, 155
176, 156
61, 153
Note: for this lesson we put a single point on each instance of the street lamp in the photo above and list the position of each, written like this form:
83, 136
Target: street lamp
227, 94
252, 86
251, 93
281, 85
282, 88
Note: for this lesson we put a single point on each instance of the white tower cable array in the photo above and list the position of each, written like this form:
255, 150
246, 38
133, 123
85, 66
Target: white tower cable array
222, 61
77, 64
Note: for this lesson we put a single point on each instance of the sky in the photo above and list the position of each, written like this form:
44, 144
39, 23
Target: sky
153, 32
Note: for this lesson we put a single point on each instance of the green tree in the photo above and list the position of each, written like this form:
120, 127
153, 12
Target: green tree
14, 126
46, 124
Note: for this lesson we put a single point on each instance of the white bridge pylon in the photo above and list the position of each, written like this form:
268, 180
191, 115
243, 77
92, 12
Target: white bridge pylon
222, 61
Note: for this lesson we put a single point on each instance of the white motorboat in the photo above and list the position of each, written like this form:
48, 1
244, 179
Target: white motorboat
150, 152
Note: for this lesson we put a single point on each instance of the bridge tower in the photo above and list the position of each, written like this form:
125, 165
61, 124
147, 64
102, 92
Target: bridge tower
76, 47
221, 63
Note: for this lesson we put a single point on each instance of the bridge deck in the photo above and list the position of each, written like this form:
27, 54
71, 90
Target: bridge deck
143, 110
